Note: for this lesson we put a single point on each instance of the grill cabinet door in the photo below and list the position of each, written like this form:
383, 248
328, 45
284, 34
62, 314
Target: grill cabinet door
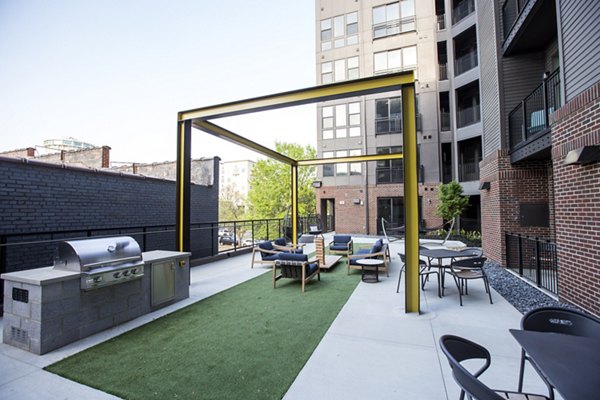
163, 282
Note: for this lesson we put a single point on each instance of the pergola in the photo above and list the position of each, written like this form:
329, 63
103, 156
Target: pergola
200, 118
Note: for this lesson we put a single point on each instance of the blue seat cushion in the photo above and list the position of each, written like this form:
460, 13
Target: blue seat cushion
339, 239
266, 245
376, 248
297, 251
293, 257
359, 251
270, 257
337, 246
379, 242
311, 268
280, 242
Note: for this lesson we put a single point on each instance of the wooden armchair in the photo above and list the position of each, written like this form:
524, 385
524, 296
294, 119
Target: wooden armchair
295, 266
379, 250
268, 254
341, 244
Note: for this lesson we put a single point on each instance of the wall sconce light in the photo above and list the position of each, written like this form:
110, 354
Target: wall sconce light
583, 155
317, 184
485, 186
356, 201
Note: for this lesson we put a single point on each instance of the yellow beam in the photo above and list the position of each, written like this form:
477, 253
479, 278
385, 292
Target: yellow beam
294, 203
411, 200
357, 87
335, 160
223, 133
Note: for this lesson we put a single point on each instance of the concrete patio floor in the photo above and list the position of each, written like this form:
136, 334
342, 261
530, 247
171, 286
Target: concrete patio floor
373, 349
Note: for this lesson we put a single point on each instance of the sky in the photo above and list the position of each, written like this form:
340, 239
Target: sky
116, 72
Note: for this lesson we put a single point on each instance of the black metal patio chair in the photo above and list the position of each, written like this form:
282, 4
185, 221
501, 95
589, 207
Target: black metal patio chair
467, 269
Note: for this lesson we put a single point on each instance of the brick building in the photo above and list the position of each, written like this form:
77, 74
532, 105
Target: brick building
94, 157
540, 101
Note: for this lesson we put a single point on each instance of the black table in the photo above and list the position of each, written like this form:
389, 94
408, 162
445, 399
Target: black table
570, 363
440, 254
367, 275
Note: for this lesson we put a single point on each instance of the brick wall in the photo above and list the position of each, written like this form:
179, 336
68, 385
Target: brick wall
577, 197
43, 197
352, 218
97, 157
511, 186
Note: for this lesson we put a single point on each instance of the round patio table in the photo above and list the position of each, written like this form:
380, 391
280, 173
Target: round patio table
366, 274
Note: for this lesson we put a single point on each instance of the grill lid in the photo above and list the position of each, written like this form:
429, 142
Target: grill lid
88, 254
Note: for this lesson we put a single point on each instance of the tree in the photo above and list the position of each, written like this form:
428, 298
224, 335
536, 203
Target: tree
233, 208
452, 203
270, 185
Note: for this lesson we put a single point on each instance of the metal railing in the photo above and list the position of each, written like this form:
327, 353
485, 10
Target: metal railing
468, 116
465, 63
388, 125
445, 121
468, 171
394, 27
462, 10
511, 9
530, 116
534, 259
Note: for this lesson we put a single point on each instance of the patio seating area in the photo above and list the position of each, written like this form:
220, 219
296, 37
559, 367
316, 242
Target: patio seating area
373, 349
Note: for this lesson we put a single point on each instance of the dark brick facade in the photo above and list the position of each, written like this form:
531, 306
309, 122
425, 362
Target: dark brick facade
42, 197
577, 196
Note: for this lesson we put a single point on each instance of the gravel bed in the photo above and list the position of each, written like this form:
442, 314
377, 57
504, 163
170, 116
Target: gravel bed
520, 294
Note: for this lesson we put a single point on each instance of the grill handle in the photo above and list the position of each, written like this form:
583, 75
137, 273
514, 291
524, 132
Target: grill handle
113, 261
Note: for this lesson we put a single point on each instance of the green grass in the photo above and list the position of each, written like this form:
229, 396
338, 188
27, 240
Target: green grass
249, 342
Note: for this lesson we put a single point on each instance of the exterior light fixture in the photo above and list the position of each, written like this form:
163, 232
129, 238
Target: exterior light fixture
583, 155
485, 186
317, 184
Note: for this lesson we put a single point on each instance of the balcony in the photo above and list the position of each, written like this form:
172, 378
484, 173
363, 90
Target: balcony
528, 25
445, 121
443, 71
388, 125
461, 10
528, 121
465, 63
394, 27
468, 116
468, 171
441, 22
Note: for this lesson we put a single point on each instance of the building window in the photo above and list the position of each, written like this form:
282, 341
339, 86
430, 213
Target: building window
328, 168
339, 31
341, 169
340, 121
355, 168
393, 18
389, 171
340, 70
395, 60
388, 115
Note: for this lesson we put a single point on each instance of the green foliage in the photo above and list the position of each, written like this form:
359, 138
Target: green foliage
470, 238
452, 202
270, 185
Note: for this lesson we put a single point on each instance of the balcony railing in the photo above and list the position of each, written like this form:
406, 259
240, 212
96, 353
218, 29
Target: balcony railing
462, 10
530, 116
534, 259
468, 116
443, 71
441, 22
465, 63
388, 125
394, 27
510, 13
468, 171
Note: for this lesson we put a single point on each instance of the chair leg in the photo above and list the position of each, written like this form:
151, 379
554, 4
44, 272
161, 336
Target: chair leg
253, 254
400, 278
487, 287
458, 284
521, 372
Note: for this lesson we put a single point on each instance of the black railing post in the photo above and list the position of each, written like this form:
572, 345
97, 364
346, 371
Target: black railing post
538, 271
235, 235
523, 121
545, 100
520, 251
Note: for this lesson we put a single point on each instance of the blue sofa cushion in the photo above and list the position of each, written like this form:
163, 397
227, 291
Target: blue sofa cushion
342, 247
266, 245
293, 257
342, 239
311, 268
359, 251
280, 242
376, 248
270, 257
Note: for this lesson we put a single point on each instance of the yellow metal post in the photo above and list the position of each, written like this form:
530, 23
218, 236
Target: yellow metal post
294, 203
411, 199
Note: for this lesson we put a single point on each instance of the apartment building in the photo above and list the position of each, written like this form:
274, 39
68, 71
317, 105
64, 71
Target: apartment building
235, 178
540, 98
436, 39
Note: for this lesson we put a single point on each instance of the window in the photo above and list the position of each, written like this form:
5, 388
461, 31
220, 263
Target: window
340, 121
388, 115
339, 31
395, 60
394, 18
328, 168
340, 70
390, 171
341, 169
355, 168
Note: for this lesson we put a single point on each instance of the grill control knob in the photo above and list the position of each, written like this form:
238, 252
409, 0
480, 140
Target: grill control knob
125, 273
117, 274
134, 271
97, 279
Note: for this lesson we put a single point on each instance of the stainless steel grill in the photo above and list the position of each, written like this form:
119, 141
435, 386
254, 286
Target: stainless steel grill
101, 262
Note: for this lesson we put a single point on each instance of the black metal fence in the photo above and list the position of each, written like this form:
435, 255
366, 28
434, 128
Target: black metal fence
534, 259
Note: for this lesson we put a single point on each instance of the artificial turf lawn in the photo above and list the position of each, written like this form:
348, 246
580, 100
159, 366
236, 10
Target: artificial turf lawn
249, 342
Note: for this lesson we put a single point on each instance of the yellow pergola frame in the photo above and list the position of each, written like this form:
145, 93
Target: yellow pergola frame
199, 118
